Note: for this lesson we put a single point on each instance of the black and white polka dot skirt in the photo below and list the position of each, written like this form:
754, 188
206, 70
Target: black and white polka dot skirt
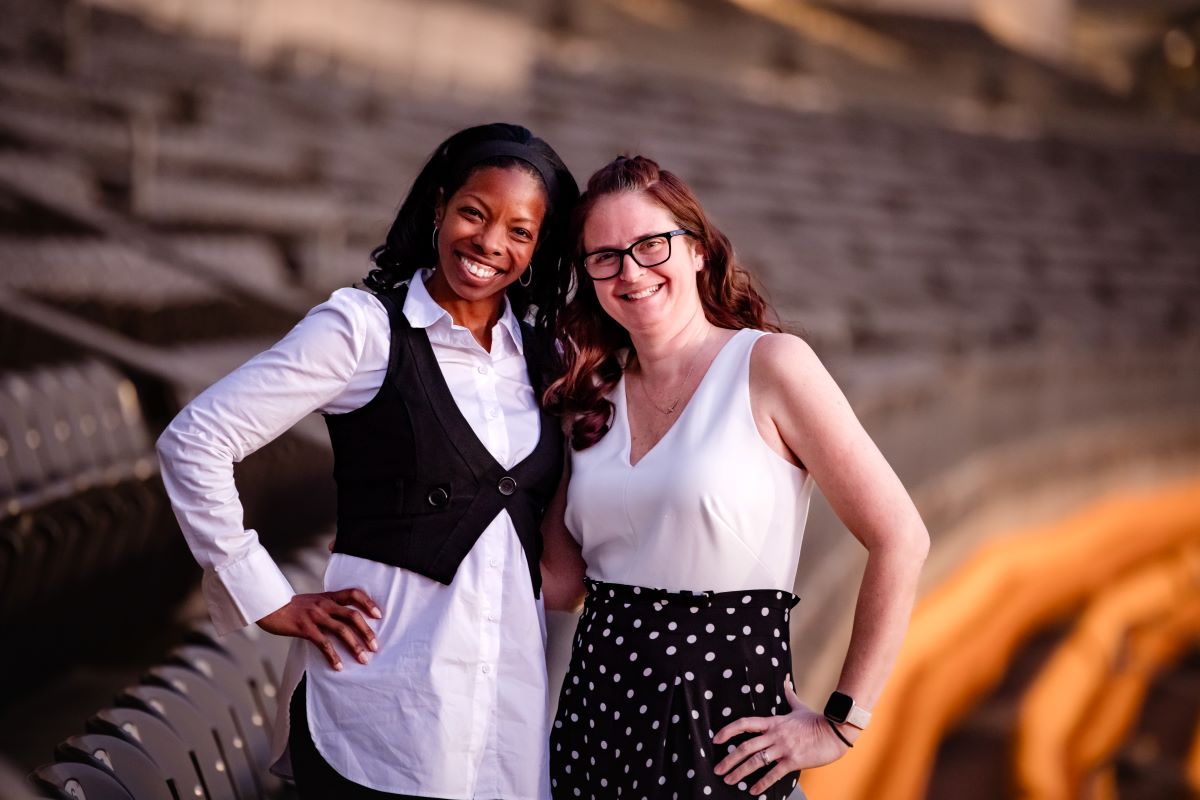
654, 675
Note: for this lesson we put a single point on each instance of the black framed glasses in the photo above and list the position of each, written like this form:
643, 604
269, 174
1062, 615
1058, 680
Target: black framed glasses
648, 251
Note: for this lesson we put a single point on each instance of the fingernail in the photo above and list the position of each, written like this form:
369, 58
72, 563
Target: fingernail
362, 658
376, 613
338, 666
374, 645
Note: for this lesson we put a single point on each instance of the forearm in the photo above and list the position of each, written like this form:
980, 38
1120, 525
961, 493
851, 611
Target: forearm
881, 615
241, 581
562, 560
309, 369
562, 586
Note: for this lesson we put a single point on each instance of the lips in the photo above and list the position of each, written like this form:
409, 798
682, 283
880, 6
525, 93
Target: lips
642, 294
476, 269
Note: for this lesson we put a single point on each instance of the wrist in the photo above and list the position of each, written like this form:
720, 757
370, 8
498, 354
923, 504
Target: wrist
842, 711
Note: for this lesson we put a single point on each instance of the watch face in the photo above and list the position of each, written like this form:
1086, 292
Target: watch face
838, 707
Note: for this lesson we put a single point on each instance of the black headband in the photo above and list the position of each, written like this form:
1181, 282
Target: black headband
498, 148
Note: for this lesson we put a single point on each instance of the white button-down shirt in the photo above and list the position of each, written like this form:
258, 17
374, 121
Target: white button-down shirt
454, 704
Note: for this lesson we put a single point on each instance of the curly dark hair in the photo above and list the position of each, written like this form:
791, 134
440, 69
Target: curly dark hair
409, 247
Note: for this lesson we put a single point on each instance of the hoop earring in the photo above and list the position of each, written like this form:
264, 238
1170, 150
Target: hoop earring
527, 276
435, 233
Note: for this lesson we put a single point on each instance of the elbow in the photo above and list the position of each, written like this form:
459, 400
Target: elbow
170, 443
904, 547
177, 446
567, 601
552, 599
167, 444
913, 545
561, 593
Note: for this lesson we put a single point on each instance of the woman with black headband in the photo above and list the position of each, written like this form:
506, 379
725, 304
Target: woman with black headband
444, 463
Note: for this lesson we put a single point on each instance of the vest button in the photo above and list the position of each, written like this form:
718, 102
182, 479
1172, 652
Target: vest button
438, 496
507, 485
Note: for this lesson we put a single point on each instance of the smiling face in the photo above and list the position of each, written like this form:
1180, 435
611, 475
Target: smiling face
644, 300
487, 233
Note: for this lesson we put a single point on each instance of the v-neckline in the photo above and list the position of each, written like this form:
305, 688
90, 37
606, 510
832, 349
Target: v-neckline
623, 387
450, 415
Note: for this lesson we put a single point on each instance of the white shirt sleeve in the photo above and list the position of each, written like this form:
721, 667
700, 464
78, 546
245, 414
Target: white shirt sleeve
319, 365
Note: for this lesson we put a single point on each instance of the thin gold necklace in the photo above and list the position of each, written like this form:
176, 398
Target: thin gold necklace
683, 384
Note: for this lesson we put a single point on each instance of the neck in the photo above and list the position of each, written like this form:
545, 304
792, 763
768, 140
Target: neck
477, 316
664, 353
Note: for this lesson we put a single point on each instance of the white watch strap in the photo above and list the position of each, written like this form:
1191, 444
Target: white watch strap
859, 717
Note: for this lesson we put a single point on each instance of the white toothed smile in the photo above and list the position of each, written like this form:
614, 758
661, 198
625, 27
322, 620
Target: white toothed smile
478, 270
644, 293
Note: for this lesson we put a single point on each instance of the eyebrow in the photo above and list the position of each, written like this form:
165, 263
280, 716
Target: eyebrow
488, 208
637, 238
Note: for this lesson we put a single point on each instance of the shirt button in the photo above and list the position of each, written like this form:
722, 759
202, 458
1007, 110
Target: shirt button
483, 370
492, 617
485, 669
493, 562
491, 413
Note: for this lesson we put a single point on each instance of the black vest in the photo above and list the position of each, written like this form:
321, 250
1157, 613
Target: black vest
415, 486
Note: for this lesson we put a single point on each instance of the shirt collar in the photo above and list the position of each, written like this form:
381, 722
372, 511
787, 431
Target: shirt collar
422, 311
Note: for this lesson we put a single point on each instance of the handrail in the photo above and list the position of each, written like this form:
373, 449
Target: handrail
964, 633
1097, 678
1192, 767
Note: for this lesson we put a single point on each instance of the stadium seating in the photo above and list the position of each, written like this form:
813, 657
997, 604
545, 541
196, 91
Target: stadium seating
240, 693
197, 733
71, 781
223, 720
129, 764
78, 466
1005, 312
171, 754
196, 726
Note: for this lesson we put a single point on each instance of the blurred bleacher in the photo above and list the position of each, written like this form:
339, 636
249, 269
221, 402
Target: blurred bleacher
1005, 280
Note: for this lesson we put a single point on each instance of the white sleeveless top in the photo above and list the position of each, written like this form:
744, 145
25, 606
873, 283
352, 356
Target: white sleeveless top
710, 507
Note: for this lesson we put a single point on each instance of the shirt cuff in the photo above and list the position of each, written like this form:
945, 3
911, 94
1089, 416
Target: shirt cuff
245, 591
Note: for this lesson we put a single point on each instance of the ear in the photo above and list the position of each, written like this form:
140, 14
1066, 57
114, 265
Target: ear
439, 207
698, 260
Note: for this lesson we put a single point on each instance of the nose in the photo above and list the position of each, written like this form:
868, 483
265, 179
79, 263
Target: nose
489, 239
630, 269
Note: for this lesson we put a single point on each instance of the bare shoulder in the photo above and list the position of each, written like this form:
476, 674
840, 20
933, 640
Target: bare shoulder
788, 383
782, 359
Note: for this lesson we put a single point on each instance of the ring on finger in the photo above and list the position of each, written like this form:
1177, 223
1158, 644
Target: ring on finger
762, 755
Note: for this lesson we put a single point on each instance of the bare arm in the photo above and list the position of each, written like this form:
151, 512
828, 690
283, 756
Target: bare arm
817, 424
562, 563
803, 413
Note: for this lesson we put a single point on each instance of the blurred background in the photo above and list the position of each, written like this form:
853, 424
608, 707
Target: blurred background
983, 214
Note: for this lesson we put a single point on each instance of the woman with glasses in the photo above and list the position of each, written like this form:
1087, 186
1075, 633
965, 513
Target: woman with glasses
443, 461
698, 432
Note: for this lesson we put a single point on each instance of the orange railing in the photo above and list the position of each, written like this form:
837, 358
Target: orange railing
1086, 699
964, 633
1193, 764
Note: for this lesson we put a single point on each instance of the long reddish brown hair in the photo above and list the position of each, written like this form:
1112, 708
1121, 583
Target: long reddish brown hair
593, 341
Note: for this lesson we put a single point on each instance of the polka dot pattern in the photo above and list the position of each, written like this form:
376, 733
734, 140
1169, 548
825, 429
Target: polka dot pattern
648, 735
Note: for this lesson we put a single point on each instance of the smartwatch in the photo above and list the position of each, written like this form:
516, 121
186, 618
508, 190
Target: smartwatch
842, 710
